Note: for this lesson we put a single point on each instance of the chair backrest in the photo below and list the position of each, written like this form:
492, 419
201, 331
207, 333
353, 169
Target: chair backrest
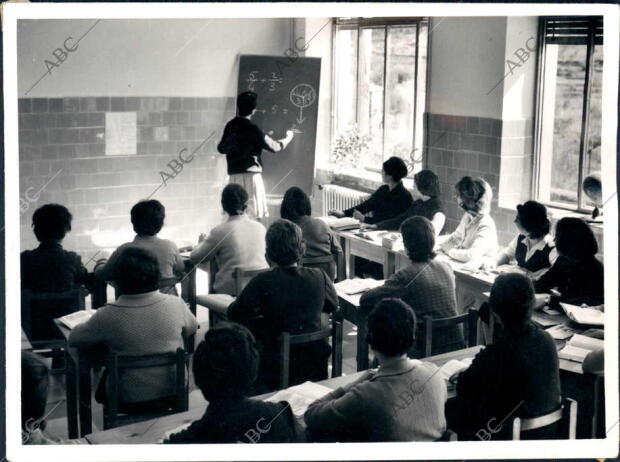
286, 340
323, 262
242, 276
470, 319
567, 413
117, 363
52, 305
167, 285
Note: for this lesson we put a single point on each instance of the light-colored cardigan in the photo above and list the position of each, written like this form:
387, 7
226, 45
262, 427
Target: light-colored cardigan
474, 239
140, 324
400, 405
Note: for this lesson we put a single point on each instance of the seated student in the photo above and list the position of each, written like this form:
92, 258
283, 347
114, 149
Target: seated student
319, 238
426, 204
389, 201
238, 242
225, 367
50, 268
533, 247
516, 376
403, 401
147, 218
142, 321
427, 285
577, 274
475, 238
289, 298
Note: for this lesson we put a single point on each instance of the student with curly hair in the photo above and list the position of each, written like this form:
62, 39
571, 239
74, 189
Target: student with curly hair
225, 367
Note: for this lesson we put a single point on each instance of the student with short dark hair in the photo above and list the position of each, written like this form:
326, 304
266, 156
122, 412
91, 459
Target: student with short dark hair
516, 376
402, 401
577, 274
239, 242
427, 286
141, 321
50, 269
289, 298
533, 247
320, 239
225, 367
243, 143
147, 218
389, 201
426, 204
475, 238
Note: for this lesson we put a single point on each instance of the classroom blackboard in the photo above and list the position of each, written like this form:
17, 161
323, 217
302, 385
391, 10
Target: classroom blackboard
288, 97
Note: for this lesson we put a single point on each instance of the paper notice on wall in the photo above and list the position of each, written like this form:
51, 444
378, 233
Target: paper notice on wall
120, 133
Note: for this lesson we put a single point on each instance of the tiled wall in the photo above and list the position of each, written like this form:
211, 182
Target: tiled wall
476, 146
62, 155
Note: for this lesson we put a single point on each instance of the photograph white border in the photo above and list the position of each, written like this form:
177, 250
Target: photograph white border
318, 451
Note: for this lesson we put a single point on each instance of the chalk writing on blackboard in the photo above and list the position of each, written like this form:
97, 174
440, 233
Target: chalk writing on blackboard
302, 96
271, 82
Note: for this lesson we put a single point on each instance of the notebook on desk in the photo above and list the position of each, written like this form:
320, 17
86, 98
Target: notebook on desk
578, 348
340, 224
79, 317
300, 396
358, 285
590, 316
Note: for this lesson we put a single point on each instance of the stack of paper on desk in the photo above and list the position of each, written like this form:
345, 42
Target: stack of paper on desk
583, 315
578, 348
357, 285
341, 224
79, 317
300, 396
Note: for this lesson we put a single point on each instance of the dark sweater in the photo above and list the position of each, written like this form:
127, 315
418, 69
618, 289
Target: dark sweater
418, 208
516, 376
578, 282
287, 300
240, 421
243, 143
384, 204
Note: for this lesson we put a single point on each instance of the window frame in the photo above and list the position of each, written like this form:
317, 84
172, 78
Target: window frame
591, 41
359, 24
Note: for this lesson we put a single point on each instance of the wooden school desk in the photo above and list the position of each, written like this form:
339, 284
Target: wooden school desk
149, 432
370, 249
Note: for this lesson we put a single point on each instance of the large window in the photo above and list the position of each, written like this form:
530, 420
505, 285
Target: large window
569, 109
380, 90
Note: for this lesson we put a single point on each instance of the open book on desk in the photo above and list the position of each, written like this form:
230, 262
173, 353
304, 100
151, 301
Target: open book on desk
78, 317
340, 224
578, 348
581, 315
358, 285
300, 396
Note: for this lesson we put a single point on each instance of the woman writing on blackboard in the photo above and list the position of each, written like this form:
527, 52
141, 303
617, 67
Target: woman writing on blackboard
243, 143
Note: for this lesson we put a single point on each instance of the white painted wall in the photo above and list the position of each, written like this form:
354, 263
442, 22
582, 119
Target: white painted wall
143, 57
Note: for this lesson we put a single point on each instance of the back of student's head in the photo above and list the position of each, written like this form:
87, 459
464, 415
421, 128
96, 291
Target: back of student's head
136, 271
427, 183
246, 103
419, 238
574, 239
35, 381
147, 217
391, 327
532, 216
51, 222
512, 298
234, 199
226, 362
395, 167
295, 204
284, 243
475, 194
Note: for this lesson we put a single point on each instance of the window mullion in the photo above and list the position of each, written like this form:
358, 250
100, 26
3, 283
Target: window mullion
385, 67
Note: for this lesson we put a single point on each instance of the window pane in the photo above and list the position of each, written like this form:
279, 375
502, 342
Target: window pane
561, 124
399, 117
592, 162
346, 78
370, 100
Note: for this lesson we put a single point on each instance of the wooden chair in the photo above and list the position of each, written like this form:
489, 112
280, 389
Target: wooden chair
242, 276
286, 340
321, 262
567, 413
116, 364
470, 319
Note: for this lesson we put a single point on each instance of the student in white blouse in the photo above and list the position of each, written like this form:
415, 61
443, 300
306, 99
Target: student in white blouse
475, 238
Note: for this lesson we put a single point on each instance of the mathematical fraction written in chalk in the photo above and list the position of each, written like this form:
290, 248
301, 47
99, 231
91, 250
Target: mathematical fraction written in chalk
271, 82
